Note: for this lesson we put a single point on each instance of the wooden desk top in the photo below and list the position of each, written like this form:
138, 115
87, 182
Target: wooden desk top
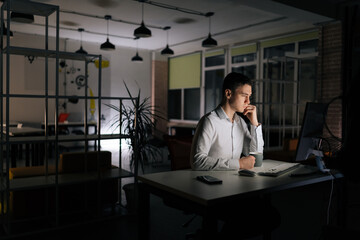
183, 183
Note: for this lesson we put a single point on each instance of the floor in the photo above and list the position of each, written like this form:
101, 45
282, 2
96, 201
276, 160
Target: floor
304, 213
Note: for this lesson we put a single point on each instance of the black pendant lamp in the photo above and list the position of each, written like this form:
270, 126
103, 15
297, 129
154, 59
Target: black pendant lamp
136, 58
107, 45
81, 50
209, 41
167, 51
22, 17
142, 31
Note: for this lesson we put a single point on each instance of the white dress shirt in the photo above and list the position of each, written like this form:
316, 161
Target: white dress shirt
219, 143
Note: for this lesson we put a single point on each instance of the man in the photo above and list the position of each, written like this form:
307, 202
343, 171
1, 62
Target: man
222, 140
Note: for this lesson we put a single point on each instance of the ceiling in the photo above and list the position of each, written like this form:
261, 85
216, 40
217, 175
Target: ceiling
234, 21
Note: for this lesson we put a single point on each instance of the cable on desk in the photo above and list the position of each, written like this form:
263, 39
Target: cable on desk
330, 198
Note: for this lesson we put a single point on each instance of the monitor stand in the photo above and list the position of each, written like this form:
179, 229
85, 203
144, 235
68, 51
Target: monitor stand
319, 161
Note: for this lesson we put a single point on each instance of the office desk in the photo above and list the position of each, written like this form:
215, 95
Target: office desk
51, 126
24, 131
182, 187
65, 125
11, 124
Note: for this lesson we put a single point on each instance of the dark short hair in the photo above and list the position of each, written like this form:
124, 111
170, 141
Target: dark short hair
234, 80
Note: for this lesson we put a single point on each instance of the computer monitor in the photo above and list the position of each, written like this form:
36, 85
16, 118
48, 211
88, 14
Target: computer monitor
311, 131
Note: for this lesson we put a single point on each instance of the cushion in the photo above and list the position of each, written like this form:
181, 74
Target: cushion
23, 172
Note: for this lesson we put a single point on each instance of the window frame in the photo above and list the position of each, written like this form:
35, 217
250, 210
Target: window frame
212, 68
284, 128
182, 89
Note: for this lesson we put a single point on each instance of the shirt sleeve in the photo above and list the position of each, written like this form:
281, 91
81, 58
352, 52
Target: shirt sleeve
202, 142
256, 139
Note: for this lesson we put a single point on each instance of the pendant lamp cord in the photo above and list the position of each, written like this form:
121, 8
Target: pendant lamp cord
167, 37
81, 38
209, 24
142, 12
107, 28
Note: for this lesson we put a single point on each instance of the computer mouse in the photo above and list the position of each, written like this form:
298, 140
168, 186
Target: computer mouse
248, 173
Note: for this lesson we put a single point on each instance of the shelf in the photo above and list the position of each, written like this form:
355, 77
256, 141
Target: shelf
113, 136
35, 8
28, 183
23, 51
74, 178
64, 138
23, 135
116, 173
33, 182
20, 95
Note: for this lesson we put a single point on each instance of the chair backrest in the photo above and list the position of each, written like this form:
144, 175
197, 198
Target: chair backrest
290, 144
75, 161
179, 150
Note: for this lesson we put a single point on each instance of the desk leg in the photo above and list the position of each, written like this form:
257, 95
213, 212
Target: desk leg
13, 153
143, 212
36, 154
27, 154
209, 226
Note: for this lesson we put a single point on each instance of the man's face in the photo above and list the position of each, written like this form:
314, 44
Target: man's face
240, 99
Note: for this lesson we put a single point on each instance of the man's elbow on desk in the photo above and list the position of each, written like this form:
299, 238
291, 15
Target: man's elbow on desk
197, 165
200, 164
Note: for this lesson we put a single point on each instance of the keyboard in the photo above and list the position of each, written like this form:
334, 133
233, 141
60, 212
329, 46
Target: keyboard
279, 169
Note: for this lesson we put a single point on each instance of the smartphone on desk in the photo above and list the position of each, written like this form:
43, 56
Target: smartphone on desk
209, 179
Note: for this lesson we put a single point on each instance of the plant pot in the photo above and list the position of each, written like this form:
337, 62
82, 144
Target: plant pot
129, 190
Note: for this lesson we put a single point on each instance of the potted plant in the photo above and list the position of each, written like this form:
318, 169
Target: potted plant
137, 121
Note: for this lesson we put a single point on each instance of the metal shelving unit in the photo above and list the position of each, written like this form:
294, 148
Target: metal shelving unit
56, 180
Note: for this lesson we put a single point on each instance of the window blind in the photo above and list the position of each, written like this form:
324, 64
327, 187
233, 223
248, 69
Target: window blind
235, 51
289, 39
185, 71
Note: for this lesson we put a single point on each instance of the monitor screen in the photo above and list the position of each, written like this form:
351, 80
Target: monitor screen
311, 129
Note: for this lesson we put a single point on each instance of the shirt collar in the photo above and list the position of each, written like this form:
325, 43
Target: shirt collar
222, 115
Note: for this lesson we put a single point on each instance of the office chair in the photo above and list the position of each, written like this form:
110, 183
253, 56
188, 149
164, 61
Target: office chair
179, 150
